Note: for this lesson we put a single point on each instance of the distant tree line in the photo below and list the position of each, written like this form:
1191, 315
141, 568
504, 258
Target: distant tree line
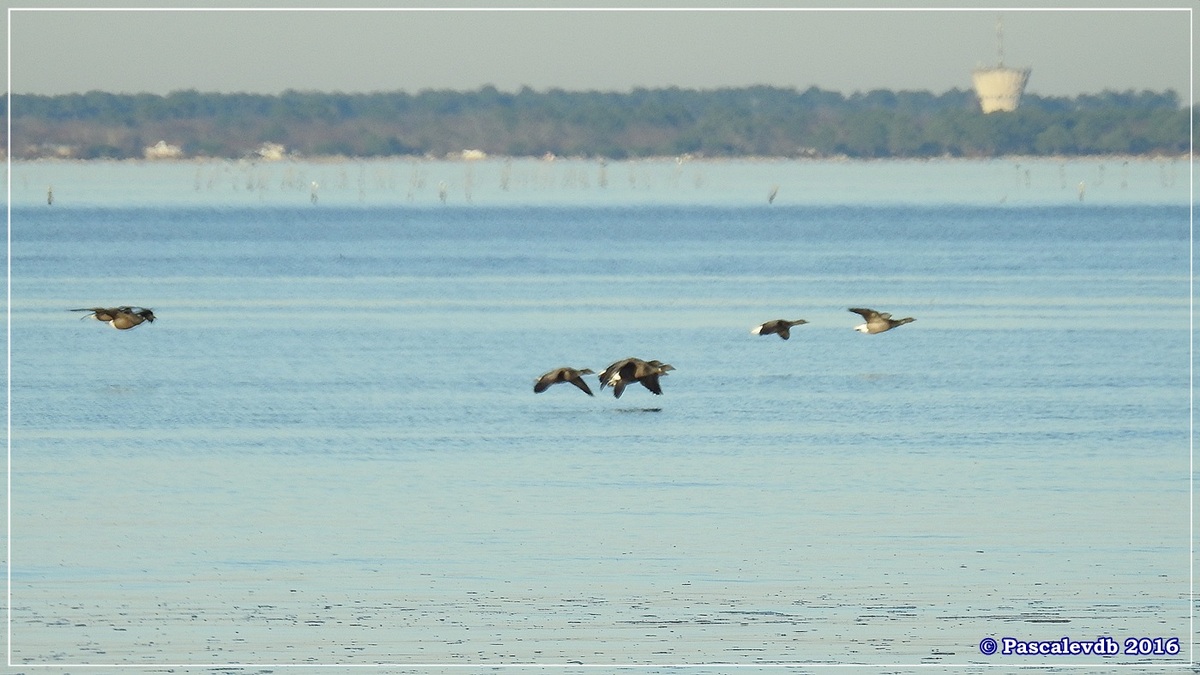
750, 121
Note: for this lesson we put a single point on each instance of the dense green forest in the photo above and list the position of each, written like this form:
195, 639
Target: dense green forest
752, 121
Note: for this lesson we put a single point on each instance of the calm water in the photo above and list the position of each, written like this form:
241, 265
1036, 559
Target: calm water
327, 449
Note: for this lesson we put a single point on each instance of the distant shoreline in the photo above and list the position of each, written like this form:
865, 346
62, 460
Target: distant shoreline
753, 122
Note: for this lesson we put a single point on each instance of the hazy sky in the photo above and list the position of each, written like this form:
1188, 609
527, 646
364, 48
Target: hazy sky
1071, 51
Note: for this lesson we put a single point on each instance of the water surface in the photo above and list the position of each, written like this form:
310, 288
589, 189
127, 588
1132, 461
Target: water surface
327, 450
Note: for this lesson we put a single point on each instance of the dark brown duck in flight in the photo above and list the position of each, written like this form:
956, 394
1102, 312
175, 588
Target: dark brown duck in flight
121, 318
877, 322
780, 327
563, 375
627, 371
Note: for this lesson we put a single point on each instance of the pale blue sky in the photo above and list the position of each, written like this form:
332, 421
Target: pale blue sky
1071, 51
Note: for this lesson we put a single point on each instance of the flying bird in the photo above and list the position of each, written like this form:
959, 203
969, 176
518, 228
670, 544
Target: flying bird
627, 371
781, 327
121, 318
877, 322
563, 375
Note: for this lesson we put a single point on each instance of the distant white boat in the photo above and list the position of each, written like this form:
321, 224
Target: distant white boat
271, 152
163, 150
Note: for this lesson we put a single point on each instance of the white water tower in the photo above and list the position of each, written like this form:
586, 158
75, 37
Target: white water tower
999, 88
